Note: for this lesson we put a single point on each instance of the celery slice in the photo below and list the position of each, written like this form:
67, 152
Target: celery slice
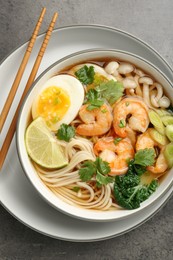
161, 139
157, 122
169, 132
167, 120
169, 154
162, 112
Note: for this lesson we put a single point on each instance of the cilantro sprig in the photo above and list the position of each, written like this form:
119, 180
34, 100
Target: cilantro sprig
65, 132
111, 90
99, 169
144, 157
85, 74
94, 99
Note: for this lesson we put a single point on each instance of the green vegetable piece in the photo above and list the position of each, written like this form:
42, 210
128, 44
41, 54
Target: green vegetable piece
163, 112
99, 168
168, 152
87, 171
102, 179
167, 120
145, 157
56, 101
65, 132
86, 74
129, 192
102, 166
157, 122
122, 123
94, 100
111, 90
76, 188
117, 140
169, 132
161, 139
104, 110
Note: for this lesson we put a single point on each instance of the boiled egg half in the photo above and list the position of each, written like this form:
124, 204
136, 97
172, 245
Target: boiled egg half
58, 100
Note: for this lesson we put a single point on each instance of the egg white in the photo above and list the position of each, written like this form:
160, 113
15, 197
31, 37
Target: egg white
97, 69
74, 89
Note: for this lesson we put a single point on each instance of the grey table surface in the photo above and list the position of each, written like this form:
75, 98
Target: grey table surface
151, 21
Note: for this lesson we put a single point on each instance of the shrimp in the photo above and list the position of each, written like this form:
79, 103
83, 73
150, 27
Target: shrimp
116, 155
145, 141
130, 115
96, 122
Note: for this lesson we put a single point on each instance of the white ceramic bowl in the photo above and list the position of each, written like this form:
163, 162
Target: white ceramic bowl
90, 215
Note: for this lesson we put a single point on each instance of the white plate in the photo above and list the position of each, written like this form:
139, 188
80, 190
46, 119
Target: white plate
16, 193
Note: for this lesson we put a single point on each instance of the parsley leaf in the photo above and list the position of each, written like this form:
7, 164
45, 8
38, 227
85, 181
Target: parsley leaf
87, 171
145, 157
102, 166
111, 90
65, 132
99, 168
76, 188
85, 74
102, 179
94, 99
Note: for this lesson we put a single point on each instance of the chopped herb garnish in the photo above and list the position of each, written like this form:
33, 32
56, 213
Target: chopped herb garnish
86, 74
144, 157
65, 132
93, 99
122, 123
87, 170
127, 104
104, 110
99, 169
56, 101
55, 119
76, 188
117, 140
111, 90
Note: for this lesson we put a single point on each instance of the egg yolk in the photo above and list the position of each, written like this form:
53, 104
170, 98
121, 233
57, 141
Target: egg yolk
53, 103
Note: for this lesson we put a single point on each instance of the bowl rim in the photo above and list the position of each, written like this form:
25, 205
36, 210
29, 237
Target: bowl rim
86, 51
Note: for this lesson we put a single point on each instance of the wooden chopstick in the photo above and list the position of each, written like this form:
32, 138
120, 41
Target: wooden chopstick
20, 72
32, 76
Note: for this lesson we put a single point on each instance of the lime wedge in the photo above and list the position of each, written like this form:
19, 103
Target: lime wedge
42, 146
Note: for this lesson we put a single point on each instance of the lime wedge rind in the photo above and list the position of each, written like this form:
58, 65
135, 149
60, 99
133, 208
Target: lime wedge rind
42, 147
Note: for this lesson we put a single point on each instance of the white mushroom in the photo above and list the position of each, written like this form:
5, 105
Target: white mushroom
111, 67
138, 89
125, 68
146, 81
129, 83
164, 102
139, 72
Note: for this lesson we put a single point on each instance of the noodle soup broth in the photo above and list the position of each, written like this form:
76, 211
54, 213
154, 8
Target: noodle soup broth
95, 135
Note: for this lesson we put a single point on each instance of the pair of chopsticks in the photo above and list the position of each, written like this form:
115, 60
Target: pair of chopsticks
8, 103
